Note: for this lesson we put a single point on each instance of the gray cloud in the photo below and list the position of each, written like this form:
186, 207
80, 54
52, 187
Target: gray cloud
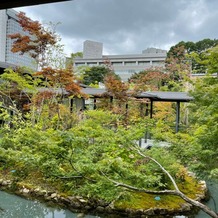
127, 26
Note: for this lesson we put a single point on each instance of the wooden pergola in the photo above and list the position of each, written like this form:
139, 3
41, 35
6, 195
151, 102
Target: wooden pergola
177, 97
156, 96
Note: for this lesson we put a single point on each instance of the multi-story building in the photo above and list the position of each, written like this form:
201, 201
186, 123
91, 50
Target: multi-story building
9, 25
123, 65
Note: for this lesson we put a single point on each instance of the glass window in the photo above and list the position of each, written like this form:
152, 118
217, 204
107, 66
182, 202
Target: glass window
130, 63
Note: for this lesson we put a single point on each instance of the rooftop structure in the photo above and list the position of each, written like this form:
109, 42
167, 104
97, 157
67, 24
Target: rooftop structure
123, 65
92, 49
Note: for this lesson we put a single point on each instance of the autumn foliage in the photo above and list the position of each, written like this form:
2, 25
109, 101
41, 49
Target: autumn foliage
150, 79
177, 64
116, 87
35, 41
59, 78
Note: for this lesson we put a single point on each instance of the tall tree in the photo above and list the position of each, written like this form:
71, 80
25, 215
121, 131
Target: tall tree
95, 74
190, 53
204, 121
37, 40
177, 64
55, 81
150, 79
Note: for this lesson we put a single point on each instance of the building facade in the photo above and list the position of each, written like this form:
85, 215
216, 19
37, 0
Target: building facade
9, 25
123, 65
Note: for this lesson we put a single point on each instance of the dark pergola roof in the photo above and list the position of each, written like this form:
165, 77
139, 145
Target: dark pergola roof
5, 4
153, 96
95, 92
166, 96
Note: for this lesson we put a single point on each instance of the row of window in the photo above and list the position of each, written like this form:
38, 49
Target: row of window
125, 63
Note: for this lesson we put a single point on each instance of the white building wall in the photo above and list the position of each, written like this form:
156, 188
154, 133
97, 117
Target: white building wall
3, 27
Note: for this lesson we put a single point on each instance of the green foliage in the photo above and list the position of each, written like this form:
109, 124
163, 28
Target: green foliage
211, 60
95, 74
204, 120
81, 160
22, 80
193, 52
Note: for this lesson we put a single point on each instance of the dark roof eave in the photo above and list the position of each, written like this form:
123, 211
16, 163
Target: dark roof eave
166, 96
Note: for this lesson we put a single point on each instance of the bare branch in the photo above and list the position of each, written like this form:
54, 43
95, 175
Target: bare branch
133, 188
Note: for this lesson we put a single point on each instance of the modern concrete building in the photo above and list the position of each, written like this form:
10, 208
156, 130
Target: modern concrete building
9, 25
123, 65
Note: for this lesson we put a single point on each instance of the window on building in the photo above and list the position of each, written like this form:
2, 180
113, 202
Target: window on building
79, 64
92, 64
130, 63
143, 63
117, 63
157, 62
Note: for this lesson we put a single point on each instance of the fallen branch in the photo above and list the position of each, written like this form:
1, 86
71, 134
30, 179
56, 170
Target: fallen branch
179, 193
176, 192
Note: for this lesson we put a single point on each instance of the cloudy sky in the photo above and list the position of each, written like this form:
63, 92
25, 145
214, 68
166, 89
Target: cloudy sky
129, 26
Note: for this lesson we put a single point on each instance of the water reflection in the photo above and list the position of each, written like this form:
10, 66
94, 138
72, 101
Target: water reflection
13, 206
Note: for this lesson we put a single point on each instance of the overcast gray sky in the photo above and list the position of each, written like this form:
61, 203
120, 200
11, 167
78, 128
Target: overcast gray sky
129, 26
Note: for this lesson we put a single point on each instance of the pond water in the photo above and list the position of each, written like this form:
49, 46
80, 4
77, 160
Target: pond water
12, 206
213, 202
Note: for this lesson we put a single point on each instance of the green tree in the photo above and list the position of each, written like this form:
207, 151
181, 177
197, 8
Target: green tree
16, 88
177, 65
95, 74
70, 60
205, 124
191, 53
211, 60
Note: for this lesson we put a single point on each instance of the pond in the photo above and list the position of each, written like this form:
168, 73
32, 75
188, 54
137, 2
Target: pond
213, 202
12, 206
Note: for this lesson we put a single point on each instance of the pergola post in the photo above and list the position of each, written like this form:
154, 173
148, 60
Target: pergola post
94, 106
146, 109
177, 115
151, 109
71, 104
83, 103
